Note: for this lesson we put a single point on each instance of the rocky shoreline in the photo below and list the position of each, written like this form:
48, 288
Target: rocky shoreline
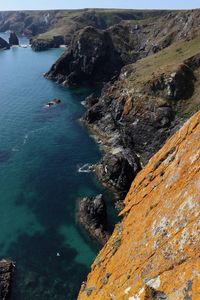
92, 216
145, 98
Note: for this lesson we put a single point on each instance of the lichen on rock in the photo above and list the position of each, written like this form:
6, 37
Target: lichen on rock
158, 253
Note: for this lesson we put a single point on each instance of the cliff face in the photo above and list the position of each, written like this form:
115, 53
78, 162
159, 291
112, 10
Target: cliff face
154, 252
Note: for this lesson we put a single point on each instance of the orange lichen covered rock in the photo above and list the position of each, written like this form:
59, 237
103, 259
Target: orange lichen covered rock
154, 252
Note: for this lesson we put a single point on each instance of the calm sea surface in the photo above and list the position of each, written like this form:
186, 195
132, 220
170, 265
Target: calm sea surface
41, 150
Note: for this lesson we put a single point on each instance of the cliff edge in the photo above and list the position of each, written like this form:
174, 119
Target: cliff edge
154, 252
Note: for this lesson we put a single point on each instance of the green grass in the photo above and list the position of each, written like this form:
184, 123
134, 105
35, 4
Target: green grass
65, 19
167, 59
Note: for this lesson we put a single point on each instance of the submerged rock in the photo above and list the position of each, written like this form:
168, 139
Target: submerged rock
4, 44
6, 270
154, 252
92, 215
13, 39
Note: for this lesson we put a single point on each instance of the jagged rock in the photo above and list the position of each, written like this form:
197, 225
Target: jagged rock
91, 100
116, 172
4, 44
13, 39
6, 270
92, 215
41, 44
91, 58
154, 252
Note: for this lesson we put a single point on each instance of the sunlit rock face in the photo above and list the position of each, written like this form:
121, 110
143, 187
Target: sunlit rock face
154, 252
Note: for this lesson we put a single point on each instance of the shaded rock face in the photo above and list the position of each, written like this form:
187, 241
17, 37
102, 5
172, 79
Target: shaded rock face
154, 252
6, 269
90, 58
4, 44
41, 45
92, 215
13, 39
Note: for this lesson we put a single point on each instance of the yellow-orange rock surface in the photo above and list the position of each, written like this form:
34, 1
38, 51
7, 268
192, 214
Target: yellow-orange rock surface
154, 252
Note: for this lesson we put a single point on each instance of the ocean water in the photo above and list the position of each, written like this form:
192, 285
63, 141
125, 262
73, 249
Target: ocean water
41, 150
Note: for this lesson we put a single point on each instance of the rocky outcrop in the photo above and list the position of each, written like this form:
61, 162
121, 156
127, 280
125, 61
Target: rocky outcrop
90, 58
117, 171
92, 216
6, 270
4, 44
13, 39
154, 252
45, 44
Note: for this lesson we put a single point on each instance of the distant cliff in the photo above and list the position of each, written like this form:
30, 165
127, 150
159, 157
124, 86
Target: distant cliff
154, 252
55, 27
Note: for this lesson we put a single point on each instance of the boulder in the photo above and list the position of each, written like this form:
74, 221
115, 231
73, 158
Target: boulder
92, 215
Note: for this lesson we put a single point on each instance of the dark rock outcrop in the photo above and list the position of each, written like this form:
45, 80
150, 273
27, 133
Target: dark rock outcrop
13, 39
91, 100
117, 171
4, 44
45, 44
6, 270
92, 215
91, 58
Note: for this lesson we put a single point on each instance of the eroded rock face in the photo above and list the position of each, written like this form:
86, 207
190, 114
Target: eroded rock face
4, 44
13, 39
41, 44
90, 58
92, 215
6, 269
154, 252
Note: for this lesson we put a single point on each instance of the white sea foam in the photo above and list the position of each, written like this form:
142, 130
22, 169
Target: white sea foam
86, 168
25, 139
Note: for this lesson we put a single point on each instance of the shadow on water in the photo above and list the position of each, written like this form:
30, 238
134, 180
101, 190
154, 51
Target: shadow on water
36, 276
4, 156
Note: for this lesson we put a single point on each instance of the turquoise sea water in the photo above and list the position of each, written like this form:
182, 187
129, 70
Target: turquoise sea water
41, 150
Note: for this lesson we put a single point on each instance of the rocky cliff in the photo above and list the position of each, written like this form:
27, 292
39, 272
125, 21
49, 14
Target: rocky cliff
136, 113
154, 252
97, 55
